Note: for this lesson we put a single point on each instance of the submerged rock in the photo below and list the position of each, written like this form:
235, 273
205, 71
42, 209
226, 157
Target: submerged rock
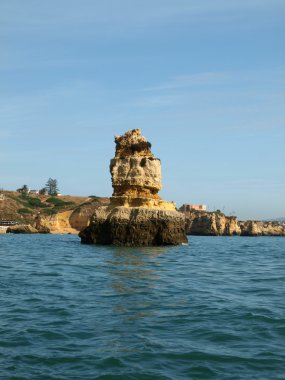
136, 215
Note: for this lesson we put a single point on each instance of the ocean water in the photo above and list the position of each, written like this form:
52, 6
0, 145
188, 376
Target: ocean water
214, 309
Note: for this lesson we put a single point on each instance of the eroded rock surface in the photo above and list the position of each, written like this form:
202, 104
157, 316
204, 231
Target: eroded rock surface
217, 224
257, 228
134, 226
136, 215
134, 170
211, 224
22, 229
57, 223
80, 217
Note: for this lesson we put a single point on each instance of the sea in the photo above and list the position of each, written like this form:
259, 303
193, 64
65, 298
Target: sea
213, 309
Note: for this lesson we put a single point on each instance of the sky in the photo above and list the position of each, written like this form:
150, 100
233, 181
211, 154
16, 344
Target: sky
204, 80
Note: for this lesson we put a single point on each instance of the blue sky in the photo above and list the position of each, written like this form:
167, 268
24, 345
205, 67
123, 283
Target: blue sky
204, 80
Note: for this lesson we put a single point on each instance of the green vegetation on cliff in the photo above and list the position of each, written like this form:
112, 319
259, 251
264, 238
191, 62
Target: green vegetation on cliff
23, 208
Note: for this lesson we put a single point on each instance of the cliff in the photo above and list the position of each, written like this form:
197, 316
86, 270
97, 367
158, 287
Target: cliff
71, 221
64, 214
257, 228
211, 224
136, 215
217, 224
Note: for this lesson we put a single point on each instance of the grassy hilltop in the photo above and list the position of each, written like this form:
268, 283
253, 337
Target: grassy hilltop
23, 208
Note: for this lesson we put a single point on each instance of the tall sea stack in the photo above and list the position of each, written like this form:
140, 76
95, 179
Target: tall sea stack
136, 216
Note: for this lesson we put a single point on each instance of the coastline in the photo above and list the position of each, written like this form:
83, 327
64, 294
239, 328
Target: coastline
75, 213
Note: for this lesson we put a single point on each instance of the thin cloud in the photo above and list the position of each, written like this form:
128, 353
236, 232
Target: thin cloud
157, 101
184, 81
36, 15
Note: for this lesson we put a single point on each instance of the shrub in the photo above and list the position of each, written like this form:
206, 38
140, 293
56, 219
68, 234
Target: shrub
94, 197
35, 202
31, 201
50, 211
24, 211
58, 202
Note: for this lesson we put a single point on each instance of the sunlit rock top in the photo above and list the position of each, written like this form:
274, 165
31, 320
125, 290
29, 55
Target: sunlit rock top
134, 170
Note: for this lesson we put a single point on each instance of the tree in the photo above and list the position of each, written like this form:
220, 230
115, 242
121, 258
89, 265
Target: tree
43, 191
51, 186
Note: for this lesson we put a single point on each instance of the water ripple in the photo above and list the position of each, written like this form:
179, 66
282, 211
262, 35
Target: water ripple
211, 310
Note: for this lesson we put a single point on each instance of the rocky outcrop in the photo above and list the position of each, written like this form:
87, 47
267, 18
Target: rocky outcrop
80, 216
134, 226
211, 224
134, 170
218, 224
71, 221
22, 229
136, 215
56, 223
257, 228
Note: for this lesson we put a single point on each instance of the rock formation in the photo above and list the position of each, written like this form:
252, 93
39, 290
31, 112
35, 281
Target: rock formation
22, 229
70, 221
55, 223
58, 223
136, 215
211, 224
257, 228
217, 224
81, 215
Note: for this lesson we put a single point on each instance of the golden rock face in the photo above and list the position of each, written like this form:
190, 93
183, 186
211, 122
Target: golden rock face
136, 176
136, 173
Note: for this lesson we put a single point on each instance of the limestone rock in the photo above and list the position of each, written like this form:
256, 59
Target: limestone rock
258, 228
125, 226
136, 176
21, 229
136, 215
3, 229
217, 224
80, 217
132, 143
211, 224
134, 170
56, 223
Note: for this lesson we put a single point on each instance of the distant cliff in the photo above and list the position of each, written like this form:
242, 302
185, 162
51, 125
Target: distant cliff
217, 224
257, 228
211, 224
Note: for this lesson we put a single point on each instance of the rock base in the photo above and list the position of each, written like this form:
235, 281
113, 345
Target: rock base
134, 226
